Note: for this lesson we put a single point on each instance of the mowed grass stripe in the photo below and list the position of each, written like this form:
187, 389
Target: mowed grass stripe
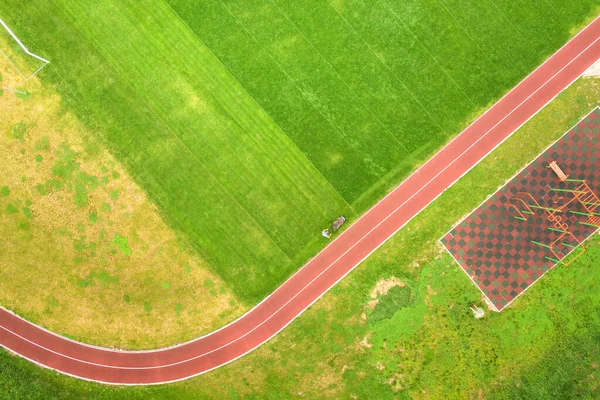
307, 113
326, 107
189, 197
498, 39
335, 98
541, 23
373, 88
445, 40
211, 114
398, 49
381, 91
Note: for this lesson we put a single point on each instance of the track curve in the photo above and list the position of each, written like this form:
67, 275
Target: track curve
327, 268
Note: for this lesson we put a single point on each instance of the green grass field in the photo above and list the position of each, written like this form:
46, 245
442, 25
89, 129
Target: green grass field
252, 124
544, 346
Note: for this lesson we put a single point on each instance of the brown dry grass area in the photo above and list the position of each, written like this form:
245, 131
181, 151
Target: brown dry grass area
60, 267
384, 285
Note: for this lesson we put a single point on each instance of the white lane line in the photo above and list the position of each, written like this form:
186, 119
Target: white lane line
134, 352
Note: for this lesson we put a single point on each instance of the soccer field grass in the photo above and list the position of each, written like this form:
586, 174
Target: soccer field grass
254, 123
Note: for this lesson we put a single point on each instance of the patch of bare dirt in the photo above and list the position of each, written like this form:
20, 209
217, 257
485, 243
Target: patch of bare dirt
396, 382
365, 342
384, 285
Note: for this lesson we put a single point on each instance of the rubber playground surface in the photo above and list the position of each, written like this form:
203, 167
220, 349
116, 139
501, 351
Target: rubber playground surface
328, 267
510, 241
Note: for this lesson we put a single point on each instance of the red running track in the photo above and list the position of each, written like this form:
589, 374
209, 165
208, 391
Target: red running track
328, 267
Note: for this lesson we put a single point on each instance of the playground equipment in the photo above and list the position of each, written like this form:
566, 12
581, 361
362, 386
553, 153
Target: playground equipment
582, 194
559, 172
580, 197
585, 196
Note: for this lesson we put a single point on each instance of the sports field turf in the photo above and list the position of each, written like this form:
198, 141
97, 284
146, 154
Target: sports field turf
252, 124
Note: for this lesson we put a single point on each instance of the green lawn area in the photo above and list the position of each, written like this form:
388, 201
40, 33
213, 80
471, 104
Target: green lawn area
544, 346
252, 124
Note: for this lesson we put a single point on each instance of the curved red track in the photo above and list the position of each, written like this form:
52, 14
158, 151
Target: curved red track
328, 267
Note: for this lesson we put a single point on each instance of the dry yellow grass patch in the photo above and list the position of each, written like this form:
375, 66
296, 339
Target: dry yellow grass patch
84, 252
384, 285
